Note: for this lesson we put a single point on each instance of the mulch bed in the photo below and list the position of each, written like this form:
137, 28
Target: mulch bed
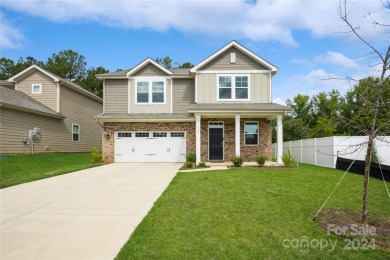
347, 223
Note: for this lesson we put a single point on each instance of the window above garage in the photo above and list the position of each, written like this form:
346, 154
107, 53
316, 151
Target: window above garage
150, 90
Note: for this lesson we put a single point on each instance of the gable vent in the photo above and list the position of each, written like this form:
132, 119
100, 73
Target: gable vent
232, 57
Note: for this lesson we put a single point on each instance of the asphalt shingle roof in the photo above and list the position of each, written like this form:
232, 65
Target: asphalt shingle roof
17, 99
122, 73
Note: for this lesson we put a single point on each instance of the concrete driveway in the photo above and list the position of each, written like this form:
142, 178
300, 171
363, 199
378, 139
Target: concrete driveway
88, 214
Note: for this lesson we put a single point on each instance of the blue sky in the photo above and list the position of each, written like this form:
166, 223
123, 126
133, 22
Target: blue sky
300, 37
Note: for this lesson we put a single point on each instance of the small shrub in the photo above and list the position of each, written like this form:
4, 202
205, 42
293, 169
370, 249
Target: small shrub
237, 160
202, 164
191, 158
96, 156
188, 165
261, 160
288, 160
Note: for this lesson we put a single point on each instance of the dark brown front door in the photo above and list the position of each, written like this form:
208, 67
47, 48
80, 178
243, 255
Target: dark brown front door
216, 143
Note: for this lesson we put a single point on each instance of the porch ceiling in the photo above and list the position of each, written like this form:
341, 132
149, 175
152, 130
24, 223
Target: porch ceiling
264, 110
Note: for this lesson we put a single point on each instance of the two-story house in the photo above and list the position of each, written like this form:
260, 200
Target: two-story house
60, 114
220, 108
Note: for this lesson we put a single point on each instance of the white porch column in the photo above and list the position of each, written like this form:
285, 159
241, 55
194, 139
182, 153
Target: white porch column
279, 139
237, 142
197, 138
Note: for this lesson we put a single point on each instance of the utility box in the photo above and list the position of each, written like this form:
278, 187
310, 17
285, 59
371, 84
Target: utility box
37, 132
32, 134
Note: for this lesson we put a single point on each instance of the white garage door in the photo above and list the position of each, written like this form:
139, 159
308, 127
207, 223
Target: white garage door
150, 146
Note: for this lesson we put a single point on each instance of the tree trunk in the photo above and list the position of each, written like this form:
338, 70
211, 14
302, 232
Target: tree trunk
366, 178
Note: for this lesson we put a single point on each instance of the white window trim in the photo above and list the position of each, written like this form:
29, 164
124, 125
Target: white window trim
40, 88
258, 133
150, 80
233, 77
78, 133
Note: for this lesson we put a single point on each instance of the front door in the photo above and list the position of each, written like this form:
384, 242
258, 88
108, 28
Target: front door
216, 143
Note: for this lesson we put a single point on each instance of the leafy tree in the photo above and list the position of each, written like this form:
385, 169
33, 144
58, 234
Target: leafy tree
7, 67
324, 127
358, 110
187, 65
91, 83
24, 64
166, 62
303, 108
67, 64
295, 129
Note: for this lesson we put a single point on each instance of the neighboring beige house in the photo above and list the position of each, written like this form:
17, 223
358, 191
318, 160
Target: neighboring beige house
220, 108
60, 113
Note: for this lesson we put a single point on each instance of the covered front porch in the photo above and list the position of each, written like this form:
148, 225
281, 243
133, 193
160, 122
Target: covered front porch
226, 130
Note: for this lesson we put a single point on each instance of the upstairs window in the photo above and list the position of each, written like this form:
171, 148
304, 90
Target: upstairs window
36, 88
150, 92
142, 92
233, 87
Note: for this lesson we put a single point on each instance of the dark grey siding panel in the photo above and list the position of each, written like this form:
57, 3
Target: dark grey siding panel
116, 96
243, 62
183, 94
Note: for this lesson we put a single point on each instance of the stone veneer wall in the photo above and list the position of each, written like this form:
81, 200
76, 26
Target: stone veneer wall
109, 137
247, 152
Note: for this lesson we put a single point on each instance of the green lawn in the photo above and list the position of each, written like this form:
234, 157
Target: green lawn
17, 169
248, 213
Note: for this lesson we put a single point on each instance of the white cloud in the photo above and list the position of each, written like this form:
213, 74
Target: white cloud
338, 59
279, 101
259, 21
10, 36
317, 80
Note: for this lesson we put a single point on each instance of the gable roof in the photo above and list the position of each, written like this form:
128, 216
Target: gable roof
241, 48
17, 100
146, 62
122, 74
56, 78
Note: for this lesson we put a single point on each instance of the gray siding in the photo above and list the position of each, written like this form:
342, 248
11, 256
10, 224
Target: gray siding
183, 94
243, 62
56, 134
150, 108
259, 88
49, 88
150, 70
81, 110
116, 96
14, 125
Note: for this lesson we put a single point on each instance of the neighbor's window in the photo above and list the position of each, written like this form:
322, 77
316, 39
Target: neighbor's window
233, 87
150, 91
251, 133
75, 132
36, 88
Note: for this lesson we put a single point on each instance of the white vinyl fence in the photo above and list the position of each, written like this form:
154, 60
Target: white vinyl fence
324, 151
